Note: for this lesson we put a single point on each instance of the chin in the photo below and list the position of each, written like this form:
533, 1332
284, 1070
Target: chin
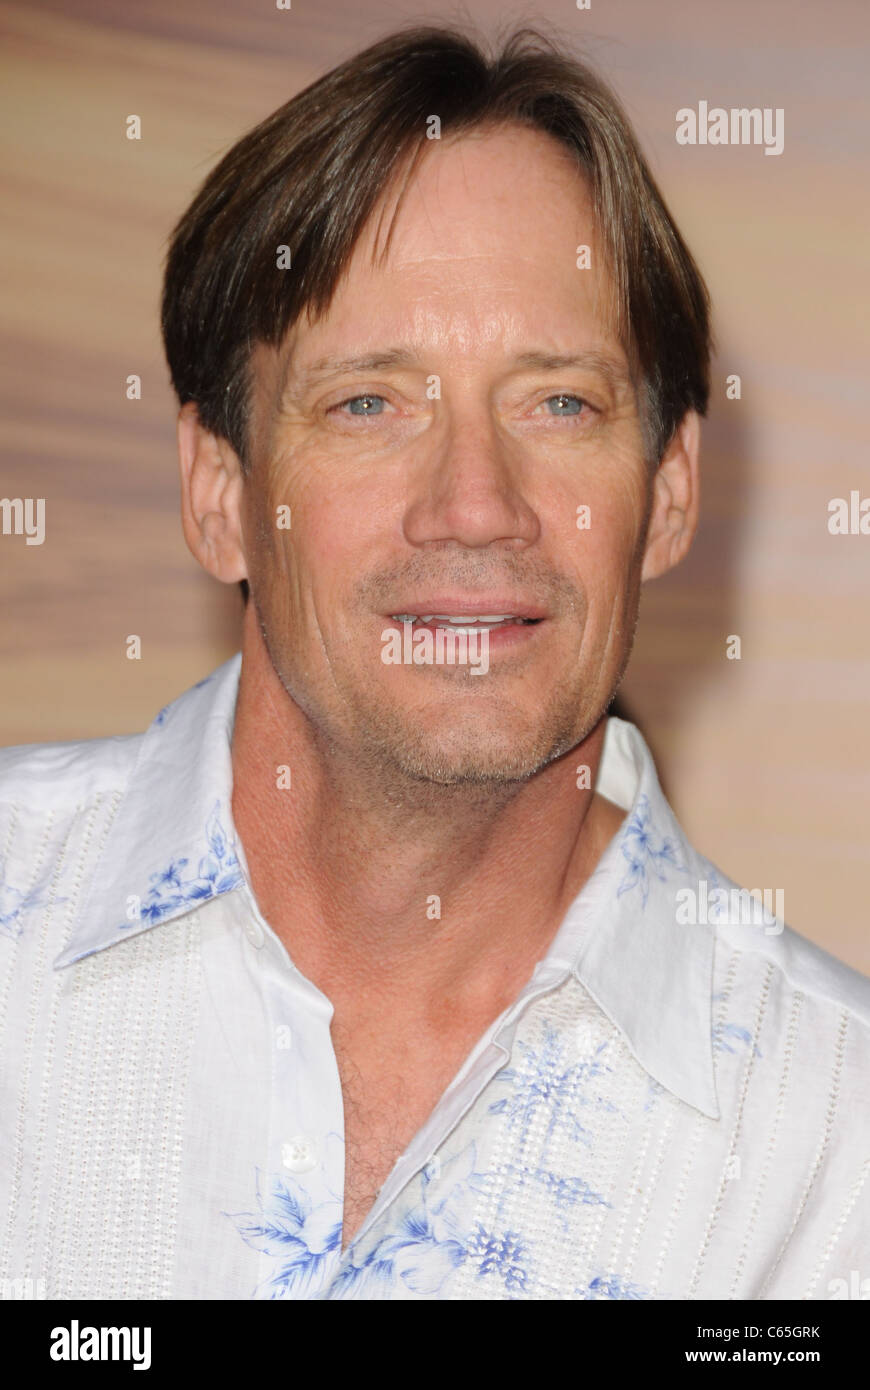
468, 767
486, 750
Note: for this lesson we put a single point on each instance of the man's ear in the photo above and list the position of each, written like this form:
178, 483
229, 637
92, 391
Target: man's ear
212, 486
676, 495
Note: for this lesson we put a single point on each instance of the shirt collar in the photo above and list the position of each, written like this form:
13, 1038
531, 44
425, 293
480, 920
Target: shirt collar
172, 846
622, 936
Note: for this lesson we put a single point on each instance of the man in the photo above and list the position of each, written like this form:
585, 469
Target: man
366, 973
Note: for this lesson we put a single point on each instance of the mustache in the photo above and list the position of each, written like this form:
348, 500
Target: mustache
534, 579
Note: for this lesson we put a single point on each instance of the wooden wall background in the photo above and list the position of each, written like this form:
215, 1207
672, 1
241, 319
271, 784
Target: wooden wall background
766, 759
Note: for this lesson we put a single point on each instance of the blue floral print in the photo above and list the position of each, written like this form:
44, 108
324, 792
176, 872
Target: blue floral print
440, 1232
14, 904
547, 1081
646, 852
217, 872
608, 1286
722, 1032
432, 1241
300, 1236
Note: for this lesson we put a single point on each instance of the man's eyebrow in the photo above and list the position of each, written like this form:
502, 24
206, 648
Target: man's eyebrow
614, 371
326, 367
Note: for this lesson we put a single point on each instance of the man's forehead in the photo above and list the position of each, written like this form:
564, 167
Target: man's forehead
471, 299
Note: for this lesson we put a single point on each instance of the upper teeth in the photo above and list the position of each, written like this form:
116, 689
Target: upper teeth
447, 618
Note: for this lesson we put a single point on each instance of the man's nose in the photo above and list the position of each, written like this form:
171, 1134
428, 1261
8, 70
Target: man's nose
469, 487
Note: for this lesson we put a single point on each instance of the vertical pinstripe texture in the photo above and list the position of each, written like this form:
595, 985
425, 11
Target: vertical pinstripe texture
133, 1021
672, 1203
94, 1111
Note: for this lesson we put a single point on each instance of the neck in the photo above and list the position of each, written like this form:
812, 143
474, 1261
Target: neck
459, 889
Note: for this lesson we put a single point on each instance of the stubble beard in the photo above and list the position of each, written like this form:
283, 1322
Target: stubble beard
406, 763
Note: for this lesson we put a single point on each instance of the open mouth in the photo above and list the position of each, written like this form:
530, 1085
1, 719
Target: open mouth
468, 623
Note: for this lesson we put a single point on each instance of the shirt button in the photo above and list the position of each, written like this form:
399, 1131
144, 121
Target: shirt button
254, 932
299, 1154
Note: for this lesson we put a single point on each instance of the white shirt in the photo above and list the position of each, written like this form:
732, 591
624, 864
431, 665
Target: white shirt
666, 1110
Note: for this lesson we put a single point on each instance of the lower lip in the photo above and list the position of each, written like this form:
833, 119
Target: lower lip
500, 638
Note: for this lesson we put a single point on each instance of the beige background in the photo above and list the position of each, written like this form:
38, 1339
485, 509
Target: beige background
767, 759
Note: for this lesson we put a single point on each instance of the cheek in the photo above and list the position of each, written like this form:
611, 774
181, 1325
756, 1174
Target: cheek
287, 514
332, 543
607, 549
609, 560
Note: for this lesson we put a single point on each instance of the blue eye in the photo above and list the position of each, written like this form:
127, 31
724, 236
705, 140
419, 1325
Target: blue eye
573, 400
368, 409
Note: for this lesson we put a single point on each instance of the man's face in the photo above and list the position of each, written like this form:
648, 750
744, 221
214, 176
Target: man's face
448, 482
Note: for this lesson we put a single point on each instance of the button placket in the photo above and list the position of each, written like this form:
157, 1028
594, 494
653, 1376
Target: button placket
299, 1154
254, 932
306, 1123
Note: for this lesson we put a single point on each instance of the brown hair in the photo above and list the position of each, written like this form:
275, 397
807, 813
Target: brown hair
310, 175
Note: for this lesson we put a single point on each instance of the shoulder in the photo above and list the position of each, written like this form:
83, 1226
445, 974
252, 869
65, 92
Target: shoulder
763, 946
57, 801
52, 776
